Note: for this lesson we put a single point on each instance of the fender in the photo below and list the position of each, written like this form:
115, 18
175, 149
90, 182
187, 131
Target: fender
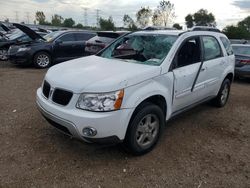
136, 94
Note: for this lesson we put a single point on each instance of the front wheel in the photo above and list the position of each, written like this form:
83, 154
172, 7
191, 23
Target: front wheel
144, 129
3, 54
223, 95
42, 60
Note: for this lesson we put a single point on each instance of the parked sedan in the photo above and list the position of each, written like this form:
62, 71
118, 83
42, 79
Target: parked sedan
103, 39
55, 47
242, 63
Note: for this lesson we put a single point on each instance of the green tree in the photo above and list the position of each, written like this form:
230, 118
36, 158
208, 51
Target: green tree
129, 23
177, 26
203, 18
57, 20
143, 16
40, 17
236, 32
107, 24
189, 21
245, 23
68, 22
200, 18
164, 13
79, 26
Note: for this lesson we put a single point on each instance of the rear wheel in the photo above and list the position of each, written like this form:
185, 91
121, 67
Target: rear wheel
223, 94
42, 60
144, 129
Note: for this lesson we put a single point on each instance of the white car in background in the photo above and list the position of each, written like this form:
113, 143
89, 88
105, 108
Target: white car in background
127, 98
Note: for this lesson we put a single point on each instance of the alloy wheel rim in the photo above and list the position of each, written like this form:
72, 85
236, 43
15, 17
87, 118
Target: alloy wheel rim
3, 54
224, 94
147, 130
43, 60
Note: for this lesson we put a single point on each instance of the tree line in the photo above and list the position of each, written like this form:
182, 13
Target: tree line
162, 16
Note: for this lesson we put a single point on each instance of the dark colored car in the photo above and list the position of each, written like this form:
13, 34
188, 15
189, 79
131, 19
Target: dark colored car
103, 39
53, 48
15, 36
242, 62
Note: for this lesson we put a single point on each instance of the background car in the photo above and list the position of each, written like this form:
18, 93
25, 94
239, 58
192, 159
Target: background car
242, 60
44, 51
15, 36
103, 39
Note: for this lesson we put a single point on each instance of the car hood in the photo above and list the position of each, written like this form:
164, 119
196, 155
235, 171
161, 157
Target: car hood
32, 34
97, 74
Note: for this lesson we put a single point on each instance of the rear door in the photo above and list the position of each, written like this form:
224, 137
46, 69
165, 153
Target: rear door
65, 47
213, 66
81, 39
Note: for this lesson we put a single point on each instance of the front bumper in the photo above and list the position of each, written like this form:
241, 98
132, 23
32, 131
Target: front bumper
111, 126
20, 58
243, 71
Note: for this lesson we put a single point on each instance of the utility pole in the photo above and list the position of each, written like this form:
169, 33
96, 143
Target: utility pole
28, 17
85, 16
97, 17
17, 17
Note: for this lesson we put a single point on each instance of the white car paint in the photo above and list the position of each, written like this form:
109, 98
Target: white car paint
97, 74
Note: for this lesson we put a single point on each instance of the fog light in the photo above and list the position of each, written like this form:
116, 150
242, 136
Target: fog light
89, 131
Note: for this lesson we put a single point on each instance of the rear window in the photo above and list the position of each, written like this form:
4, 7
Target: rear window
241, 50
84, 36
212, 48
105, 40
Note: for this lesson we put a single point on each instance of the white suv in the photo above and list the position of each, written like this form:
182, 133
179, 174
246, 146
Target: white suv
128, 91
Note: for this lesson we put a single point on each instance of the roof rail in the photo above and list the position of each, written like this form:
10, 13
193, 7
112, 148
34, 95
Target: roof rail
205, 28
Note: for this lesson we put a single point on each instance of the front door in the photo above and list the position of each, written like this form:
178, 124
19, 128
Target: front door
186, 66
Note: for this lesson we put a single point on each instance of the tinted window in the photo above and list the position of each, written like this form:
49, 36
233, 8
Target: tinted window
84, 36
241, 50
189, 52
67, 37
227, 45
212, 48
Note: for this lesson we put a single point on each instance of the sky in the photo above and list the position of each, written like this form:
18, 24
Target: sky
226, 12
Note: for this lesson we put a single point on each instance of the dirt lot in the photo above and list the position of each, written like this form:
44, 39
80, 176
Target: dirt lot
205, 147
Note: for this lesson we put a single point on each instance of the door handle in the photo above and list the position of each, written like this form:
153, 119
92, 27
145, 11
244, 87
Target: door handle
202, 69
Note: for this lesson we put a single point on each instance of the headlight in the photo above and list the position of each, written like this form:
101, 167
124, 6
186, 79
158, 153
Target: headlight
100, 102
23, 49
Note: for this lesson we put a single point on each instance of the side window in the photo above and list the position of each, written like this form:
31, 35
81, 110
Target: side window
67, 38
189, 52
83, 36
227, 45
212, 49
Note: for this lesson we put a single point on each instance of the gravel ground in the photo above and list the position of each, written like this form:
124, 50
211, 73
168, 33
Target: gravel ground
205, 147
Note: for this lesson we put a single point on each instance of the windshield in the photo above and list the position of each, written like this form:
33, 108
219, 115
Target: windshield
241, 50
51, 36
149, 49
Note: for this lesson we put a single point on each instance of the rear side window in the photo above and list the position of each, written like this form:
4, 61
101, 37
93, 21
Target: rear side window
212, 49
67, 37
226, 43
84, 36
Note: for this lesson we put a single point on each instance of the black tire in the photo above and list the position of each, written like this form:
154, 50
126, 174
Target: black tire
145, 110
38, 63
221, 101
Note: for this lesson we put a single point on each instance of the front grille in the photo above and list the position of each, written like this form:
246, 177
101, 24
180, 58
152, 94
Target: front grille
46, 89
62, 97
